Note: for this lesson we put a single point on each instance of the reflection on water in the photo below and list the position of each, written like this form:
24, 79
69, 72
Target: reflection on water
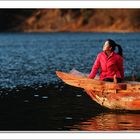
110, 122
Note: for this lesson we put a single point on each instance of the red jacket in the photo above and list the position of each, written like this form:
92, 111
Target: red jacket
109, 65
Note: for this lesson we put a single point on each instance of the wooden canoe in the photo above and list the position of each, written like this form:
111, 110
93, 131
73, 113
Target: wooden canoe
116, 96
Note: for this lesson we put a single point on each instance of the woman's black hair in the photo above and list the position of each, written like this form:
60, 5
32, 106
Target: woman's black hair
113, 44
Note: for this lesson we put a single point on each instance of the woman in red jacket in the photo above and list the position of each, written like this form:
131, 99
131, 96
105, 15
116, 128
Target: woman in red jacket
109, 62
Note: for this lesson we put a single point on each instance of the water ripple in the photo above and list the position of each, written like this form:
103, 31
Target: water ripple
28, 59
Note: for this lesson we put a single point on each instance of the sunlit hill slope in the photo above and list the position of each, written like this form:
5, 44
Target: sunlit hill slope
70, 20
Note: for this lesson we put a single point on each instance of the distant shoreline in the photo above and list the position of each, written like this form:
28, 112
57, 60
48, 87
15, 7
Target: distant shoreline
71, 32
70, 20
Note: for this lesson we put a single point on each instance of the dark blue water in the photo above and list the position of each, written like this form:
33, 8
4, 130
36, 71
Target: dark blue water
27, 59
32, 97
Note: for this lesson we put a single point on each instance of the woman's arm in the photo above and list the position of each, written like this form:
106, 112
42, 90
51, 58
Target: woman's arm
95, 67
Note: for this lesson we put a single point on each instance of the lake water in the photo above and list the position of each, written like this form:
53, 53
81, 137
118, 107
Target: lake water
32, 97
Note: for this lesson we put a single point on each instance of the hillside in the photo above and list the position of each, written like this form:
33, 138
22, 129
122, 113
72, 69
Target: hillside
70, 20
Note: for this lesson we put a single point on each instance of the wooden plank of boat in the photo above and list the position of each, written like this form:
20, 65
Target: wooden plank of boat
122, 96
87, 83
128, 101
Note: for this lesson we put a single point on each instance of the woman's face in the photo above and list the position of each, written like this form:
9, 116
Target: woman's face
106, 47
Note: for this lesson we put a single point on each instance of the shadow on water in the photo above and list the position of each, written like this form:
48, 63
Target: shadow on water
45, 108
59, 108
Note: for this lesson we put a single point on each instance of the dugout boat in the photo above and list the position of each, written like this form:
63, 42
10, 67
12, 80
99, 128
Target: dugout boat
112, 95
